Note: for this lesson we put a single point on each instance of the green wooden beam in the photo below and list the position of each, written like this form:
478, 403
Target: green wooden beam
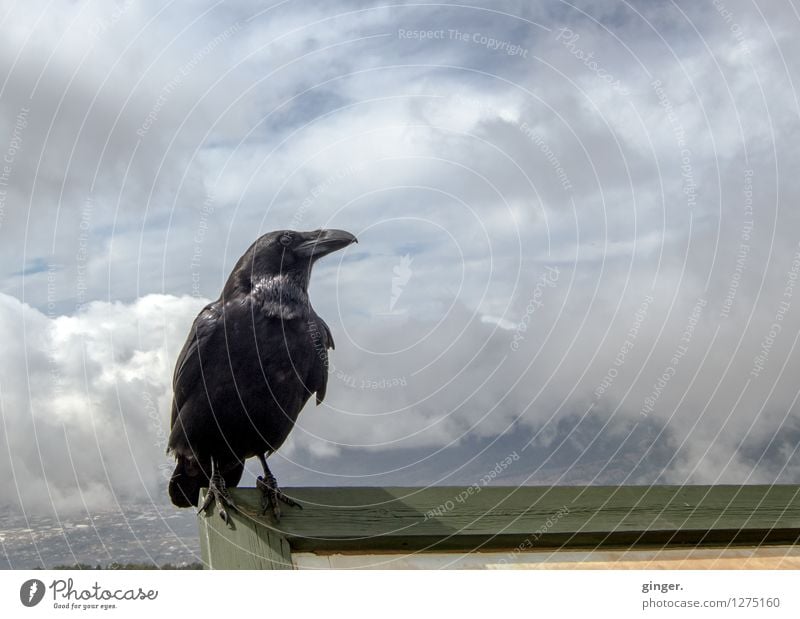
491, 518
245, 543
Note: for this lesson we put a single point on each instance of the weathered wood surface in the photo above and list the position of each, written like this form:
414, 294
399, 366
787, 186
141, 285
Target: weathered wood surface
453, 518
244, 544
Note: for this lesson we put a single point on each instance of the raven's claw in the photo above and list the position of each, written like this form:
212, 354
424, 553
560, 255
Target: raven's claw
218, 491
271, 495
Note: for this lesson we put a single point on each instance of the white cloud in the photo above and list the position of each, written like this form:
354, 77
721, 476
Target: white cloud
85, 401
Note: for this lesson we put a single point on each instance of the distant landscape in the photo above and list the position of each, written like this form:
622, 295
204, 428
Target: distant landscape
133, 537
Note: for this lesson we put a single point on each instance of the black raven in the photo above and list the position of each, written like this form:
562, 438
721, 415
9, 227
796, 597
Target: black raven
251, 361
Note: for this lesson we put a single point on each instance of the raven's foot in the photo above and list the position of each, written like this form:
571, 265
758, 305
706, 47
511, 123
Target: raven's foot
218, 491
271, 495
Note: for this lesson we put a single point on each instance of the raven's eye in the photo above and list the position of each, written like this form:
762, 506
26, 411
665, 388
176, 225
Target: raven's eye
286, 239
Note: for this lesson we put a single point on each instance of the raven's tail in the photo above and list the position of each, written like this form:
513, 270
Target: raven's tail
186, 481
189, 477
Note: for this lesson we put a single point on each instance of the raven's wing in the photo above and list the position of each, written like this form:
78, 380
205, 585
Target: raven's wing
323, 340
188, 369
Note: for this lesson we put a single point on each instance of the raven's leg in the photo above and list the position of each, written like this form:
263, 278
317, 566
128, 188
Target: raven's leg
270, 493
218, 491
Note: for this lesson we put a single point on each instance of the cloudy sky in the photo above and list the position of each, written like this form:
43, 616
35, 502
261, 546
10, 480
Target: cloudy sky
578, 230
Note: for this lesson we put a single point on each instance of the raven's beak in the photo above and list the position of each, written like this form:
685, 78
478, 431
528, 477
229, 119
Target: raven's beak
324, 243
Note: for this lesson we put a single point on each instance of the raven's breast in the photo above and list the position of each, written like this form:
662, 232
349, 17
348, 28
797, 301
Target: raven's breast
270, 361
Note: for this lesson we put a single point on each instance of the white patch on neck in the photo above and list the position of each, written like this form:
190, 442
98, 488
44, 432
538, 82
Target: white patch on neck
280, 296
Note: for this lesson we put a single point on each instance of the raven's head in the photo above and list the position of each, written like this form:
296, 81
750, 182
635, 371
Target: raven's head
289, 251
299, 250
284, 259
